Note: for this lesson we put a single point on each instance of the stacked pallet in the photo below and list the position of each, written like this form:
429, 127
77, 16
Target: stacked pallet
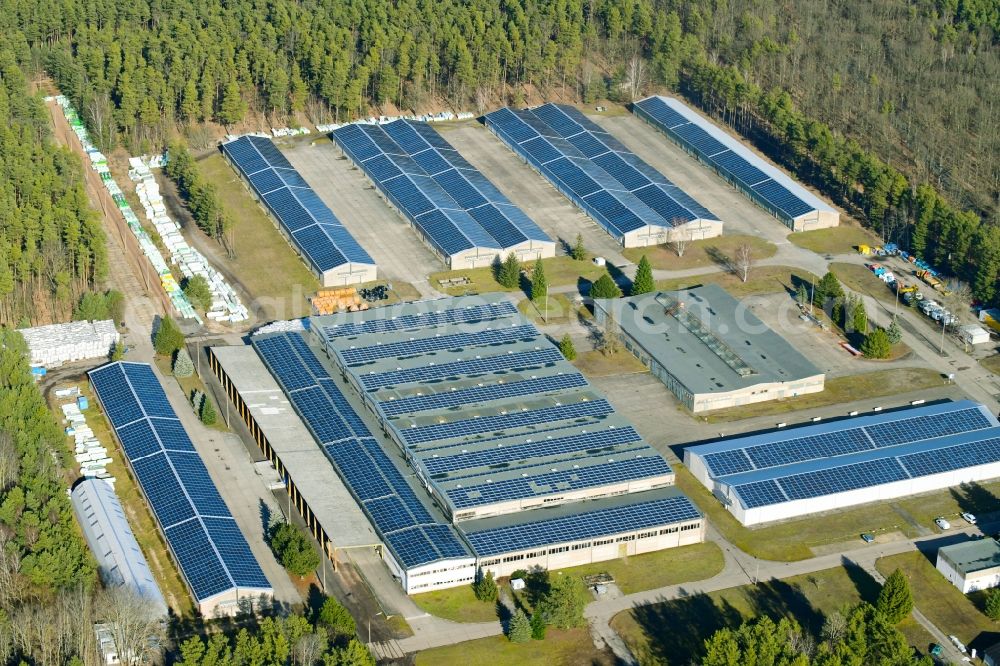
90, 454
51, 346
329, 301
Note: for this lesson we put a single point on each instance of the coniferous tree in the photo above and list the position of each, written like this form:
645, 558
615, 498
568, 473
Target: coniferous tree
567, 348
579, 250
183, 365
605, 287
509, 272
643, 283
894, 333
539, 283
168, 338
876, 345
207, 412
895, 600
519, 629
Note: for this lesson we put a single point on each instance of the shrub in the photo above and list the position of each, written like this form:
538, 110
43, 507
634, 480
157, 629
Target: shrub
538, 626
197, 291
567, 348
168, 338
876, 344
605, 287
207, 412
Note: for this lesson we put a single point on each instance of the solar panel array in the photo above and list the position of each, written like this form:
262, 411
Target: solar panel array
736, 167
390, 502
312, 226
509, 420
584, 525
594, 169
861, 453
213, 555
452, 203
787, 448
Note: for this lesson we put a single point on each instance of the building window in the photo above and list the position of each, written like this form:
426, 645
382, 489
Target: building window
646, 535
630, 537
560, 549
581, 546
603, 542
669, 530
514, 558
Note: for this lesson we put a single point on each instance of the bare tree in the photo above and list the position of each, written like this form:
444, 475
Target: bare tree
10, 467
482, 99
607, 341
134, 623
957, 300
743, 261
308, 649
680, 241
10, 568
100, 110
635, 76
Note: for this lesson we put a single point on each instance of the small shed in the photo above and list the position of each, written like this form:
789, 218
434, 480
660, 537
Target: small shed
974, 335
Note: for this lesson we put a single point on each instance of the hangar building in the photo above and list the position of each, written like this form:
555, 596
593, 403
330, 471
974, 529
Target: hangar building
759, 180
972, 565
786, 473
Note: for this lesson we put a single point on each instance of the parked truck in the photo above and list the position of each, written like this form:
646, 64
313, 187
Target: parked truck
932, 280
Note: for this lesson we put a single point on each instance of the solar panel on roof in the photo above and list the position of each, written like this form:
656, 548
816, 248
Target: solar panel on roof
587, 164
293, 203
582, 526
367, 471
175, 482
474, 367
369, 353
727, 156
441, 189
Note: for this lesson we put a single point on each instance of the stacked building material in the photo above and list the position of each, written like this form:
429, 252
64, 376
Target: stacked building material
51, 346
226, 305
330, 301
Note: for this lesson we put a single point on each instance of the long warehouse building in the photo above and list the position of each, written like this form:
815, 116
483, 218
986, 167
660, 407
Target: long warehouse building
303, 219
760, 181
466, 440
787, 473
211, 552
460, 214
631, 200
708, 349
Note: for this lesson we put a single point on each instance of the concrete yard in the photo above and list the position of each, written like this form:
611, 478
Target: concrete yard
529, 190
397, 249
738, 214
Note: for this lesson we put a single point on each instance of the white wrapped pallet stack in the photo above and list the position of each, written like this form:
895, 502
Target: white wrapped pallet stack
51, 346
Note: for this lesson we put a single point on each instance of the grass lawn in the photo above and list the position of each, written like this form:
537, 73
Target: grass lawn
139, 517
281, 290
858, 278
763, 280
595, 364
836, 240
992, 363
674, 631
559, 271
708, 252
792, 540
659, 569
839, 390
943, 604
560, 648
979, 498
558, 310
458, 604
191, 384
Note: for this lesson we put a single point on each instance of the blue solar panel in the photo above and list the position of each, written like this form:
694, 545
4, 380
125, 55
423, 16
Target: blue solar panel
587, 164
915, 428
441, 189
599, 442
415, 322
175, 481
728, 161
583, 525
366, 469
294, 204
842, 479
478, 394
760, 493
475, 367
728, 462
960, 456
499, 336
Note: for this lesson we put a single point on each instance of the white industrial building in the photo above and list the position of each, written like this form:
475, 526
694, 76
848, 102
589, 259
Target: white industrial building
119, 559
972, 565
51, 346
785, 473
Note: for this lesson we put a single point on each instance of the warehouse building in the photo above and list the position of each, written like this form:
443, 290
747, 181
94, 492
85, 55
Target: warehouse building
760, 181
786, 473
708, 349
464, 438
311, 228
461, 216
971, 566
211, 553
120, 561
631, 200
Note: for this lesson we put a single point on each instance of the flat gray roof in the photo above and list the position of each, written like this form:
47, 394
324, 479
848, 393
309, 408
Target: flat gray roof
973, 556
707, 340
319, 484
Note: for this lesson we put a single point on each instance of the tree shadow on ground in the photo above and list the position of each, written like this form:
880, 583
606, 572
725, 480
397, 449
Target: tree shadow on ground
975, 499
863, 581
720, 258
676, 629
777, 598
265, 517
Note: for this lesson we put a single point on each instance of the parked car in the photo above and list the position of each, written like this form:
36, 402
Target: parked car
942, 523
969, 518
867, 538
